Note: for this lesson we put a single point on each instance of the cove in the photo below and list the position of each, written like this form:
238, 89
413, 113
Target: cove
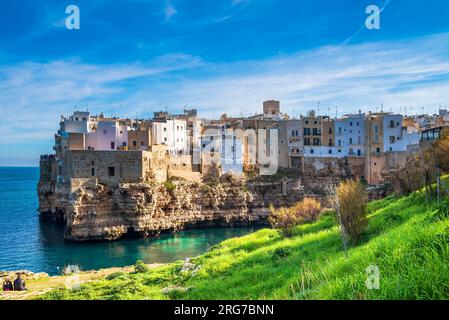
29, 244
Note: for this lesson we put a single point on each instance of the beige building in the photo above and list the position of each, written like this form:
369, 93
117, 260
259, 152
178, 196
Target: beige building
271, 107
139, 139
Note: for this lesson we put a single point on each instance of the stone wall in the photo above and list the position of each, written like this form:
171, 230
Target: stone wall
109, 167
333, 167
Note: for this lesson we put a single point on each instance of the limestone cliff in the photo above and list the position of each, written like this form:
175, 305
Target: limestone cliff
93, 211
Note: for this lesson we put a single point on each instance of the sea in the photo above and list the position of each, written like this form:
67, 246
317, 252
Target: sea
27, 243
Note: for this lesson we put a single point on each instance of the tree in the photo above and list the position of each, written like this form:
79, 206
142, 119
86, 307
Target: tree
332, 198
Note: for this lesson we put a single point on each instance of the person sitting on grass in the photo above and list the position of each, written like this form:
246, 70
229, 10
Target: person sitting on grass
7, 285
19, 283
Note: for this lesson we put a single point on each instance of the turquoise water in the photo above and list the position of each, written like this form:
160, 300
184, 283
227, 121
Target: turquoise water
28, 243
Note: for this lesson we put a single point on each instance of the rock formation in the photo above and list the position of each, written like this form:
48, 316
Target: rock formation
93, 211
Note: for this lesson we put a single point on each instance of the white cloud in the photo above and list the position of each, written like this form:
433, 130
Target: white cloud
397, 74
169, 10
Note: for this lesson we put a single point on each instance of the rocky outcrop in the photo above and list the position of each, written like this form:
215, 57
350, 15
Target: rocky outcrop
92, 211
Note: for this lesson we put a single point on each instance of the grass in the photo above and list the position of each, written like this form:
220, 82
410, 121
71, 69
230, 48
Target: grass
406, 238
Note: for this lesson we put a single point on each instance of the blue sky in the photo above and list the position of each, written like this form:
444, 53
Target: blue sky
134, 57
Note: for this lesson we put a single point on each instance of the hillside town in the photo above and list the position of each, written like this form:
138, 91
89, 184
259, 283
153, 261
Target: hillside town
113, 150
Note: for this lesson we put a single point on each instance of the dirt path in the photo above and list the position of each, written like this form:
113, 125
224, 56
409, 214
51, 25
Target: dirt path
36, 287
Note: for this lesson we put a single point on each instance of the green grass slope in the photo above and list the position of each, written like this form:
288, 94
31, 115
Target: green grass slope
407, 239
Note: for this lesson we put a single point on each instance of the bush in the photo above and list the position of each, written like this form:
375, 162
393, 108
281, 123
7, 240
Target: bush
283, 219
140, 267
307, 210
352, 198
169, 185
286, 219
440, 151
280, 253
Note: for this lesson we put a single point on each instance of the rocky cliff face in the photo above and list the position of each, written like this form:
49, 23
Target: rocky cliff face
91, 211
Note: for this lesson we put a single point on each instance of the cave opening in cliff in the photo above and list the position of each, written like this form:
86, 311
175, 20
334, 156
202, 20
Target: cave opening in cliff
131, 233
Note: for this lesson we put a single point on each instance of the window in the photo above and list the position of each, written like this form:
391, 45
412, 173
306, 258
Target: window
330, 151
307, 131
339, 143
84, 119
392, 124
124, 144
141, 143
339, 150
350, 140
92, 173
93, 163
112, 145
358, 124
351, 151
76, 118
376, 139
350, 124
392, 139
134, 143
376, 128
165, 129
111, 171
359, 153
378, 150
315, 131
359, 140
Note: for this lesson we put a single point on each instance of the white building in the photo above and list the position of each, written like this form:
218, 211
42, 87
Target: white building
227, 145
392, 133
350, 135
322, 152
79, 122
110, 135
172, 133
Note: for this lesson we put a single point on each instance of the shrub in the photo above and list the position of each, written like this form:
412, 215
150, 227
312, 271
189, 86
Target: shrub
440, 151
352, 198
140, 267
169, 185
284, 219
307, 210
280, 253
116, 275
